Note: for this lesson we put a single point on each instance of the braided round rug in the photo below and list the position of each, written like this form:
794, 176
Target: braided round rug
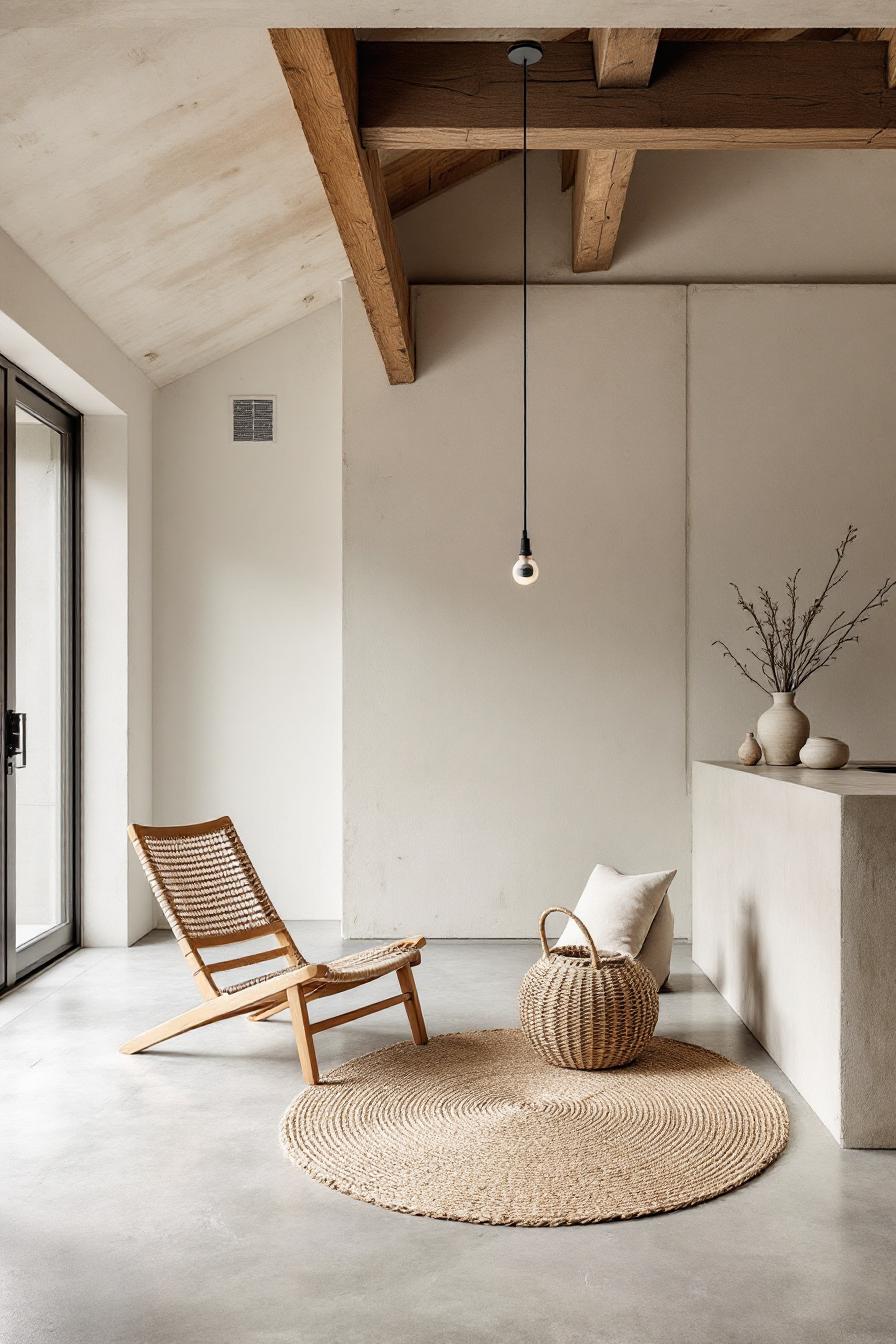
476, 1127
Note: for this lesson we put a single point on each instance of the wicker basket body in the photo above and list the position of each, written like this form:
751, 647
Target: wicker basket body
584, 1009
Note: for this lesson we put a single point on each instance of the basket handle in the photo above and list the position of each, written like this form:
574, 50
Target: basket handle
562, 910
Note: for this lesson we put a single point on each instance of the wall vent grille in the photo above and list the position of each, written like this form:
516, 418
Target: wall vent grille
254, 419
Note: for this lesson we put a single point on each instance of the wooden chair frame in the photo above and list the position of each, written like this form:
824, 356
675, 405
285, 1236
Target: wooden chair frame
299, 984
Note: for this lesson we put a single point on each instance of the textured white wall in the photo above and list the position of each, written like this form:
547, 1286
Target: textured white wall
499, 740
792, 403
247, 611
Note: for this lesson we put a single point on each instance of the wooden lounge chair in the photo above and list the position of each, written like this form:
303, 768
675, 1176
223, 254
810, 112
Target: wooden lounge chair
211, 896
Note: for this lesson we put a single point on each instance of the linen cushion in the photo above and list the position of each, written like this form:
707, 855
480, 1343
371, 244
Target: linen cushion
656, 953
628, 913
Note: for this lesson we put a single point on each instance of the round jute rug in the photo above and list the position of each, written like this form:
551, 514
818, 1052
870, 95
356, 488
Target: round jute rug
475, 1127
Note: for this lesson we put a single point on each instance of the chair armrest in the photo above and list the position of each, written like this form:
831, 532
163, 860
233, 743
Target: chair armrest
253, 995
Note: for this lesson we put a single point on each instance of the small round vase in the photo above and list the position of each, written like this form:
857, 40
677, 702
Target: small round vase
782, 730
824, 753
749, 752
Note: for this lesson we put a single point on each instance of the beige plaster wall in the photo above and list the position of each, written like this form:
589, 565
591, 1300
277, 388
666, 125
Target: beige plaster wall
689, 216
499, 741
791, 407
247, 611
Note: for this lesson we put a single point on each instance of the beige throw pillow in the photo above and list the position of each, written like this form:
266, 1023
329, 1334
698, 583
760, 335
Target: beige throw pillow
619, 910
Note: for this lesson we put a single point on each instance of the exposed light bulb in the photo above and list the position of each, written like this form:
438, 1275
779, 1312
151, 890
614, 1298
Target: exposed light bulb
525, 571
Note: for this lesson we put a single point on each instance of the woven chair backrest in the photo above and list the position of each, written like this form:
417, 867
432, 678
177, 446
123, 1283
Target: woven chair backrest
205, 883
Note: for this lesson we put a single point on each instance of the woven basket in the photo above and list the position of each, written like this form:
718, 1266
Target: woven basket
584, 1009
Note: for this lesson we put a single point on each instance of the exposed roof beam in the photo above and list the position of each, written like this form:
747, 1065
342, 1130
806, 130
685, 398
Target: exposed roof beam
712, 95
623, 57
320, 69
752, 34
423, 173
887, 35
598, 199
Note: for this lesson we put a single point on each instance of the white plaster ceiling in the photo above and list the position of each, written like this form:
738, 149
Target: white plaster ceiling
457, 13
161, 179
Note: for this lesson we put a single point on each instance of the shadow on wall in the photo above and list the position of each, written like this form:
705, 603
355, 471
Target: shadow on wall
662, 199
753, 996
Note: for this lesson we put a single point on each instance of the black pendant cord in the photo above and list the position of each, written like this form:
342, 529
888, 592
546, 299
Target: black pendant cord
525, 300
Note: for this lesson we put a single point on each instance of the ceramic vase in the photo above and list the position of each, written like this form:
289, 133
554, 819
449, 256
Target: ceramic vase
782, 730
749, 752
824, 753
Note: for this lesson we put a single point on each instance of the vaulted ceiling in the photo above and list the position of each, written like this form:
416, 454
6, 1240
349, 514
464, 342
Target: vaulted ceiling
162, 178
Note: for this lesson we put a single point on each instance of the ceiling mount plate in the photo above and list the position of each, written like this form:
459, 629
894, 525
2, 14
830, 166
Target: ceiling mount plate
525, 53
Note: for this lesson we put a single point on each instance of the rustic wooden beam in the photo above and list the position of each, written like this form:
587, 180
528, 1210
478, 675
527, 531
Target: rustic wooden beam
623, 57
423, 173
704, 95
320, 69
752, 34
597, 202
887, 35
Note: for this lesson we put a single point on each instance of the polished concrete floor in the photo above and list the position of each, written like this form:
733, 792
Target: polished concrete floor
145, 1199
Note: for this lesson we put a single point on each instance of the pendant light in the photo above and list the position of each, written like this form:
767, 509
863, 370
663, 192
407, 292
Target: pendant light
524, 54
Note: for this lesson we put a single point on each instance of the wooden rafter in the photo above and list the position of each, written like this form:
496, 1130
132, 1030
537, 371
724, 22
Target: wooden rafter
710, 95
623, 58
320, 69
753, 34
887, 35
422, 173
598, 198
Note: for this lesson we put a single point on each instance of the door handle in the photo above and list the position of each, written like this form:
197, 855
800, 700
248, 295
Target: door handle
16, 741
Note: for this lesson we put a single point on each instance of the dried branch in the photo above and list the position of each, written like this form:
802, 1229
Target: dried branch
728, 654
790, 653
823, 657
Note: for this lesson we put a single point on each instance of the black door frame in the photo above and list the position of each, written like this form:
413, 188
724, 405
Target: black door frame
16, 386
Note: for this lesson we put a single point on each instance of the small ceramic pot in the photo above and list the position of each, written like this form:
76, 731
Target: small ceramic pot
782, 730
749, 752
824, 753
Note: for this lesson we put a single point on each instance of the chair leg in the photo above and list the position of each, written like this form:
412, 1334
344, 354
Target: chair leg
175, 1026
412, 1005
304, 1042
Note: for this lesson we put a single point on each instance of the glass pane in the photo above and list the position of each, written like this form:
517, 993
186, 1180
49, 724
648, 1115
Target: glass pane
39, 892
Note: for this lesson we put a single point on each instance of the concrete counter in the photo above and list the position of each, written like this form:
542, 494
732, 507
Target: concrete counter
794, 882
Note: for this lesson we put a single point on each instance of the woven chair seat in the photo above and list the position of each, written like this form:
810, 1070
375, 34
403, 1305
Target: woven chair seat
356, 966
256, 980
372, 961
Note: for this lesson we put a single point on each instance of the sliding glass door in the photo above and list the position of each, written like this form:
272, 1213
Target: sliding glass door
41, 454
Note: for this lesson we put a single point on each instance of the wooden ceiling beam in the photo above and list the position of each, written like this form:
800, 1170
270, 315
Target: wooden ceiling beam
420, 174
320, 69
887, 35
598, 198
752, 34
710, 95
623, 59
